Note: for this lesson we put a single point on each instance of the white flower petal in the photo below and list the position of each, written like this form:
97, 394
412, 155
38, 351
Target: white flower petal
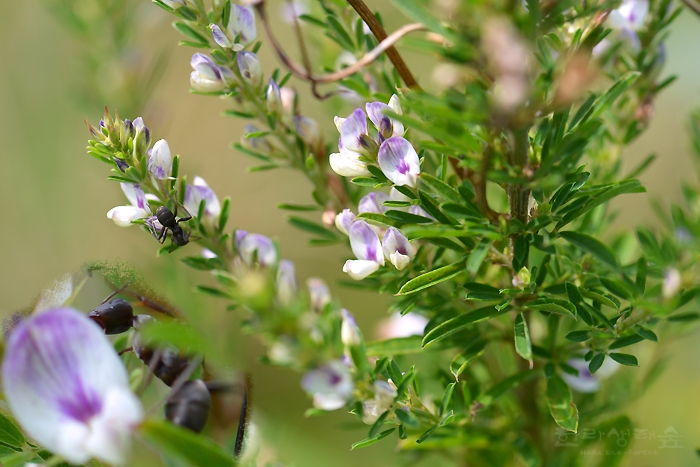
399, 161
359, 269
124, 215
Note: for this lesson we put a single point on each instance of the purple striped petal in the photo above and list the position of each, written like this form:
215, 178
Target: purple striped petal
196, 193
319, 294
397, 249
250, 68
365, 243
219, 37
257, 245
160, 162
330, 385
373, 202
67, 387
242, 21
134, 193
205, 67
399, 161
352, 130
286, 282
344, 220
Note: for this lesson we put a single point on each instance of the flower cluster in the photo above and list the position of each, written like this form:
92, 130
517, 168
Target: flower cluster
364, 238
357, 149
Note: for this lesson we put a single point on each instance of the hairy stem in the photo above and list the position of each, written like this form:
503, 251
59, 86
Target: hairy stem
518, 158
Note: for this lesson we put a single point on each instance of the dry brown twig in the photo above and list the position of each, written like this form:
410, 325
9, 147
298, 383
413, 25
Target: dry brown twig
304, 72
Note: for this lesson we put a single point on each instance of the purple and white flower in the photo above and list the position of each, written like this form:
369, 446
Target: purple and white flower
242, 23
68, 389
396, 326
251, 69
585, 382
399, 161
347, 163
386, 126
160, 162
397, 248
286, 282
330, 385
220, 37
319, 294
373, 202
349, 331
207, 76
672, 283
309, 131
273, 98
627, 19
344, 220
367, 248
123, 216
384, 395
194, 195
252, 245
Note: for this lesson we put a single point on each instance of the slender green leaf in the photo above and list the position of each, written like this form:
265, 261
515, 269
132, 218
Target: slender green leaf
398, 346
432, 278
561, 407
185, 446
451, 326
625, 359
443, 189
370, 441
592, 246
9, 433
552, 305
596, 362
523, 345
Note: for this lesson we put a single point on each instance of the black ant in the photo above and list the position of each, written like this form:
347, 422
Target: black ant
169, 221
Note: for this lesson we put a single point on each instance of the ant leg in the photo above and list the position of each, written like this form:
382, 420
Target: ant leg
242, 425
185, 219
116, 291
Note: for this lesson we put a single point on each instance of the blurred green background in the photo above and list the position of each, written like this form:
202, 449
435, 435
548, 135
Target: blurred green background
53, 199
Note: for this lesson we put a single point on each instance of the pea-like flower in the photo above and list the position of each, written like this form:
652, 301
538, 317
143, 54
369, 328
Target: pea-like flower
286, 282
123, 216
586, 382
385, 125
344, 220
273, 98
308, 131
399, 161
241, 24
373, 202
367, 248
397, 248
330, 385
251, 69
347, 163
319, 294
196, 193
384, 395
207, 76
68, 388
349, 331
160, 162
396, 326
252, 245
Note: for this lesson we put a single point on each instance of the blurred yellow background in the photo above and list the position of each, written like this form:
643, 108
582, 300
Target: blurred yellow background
53, 200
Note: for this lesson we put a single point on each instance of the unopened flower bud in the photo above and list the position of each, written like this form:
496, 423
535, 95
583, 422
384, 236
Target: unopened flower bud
160, 162
274, 98
344, 220
250, 68
672, 283
319, 294
207, 76
219, 37
349, 331
286, 282
309, 131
